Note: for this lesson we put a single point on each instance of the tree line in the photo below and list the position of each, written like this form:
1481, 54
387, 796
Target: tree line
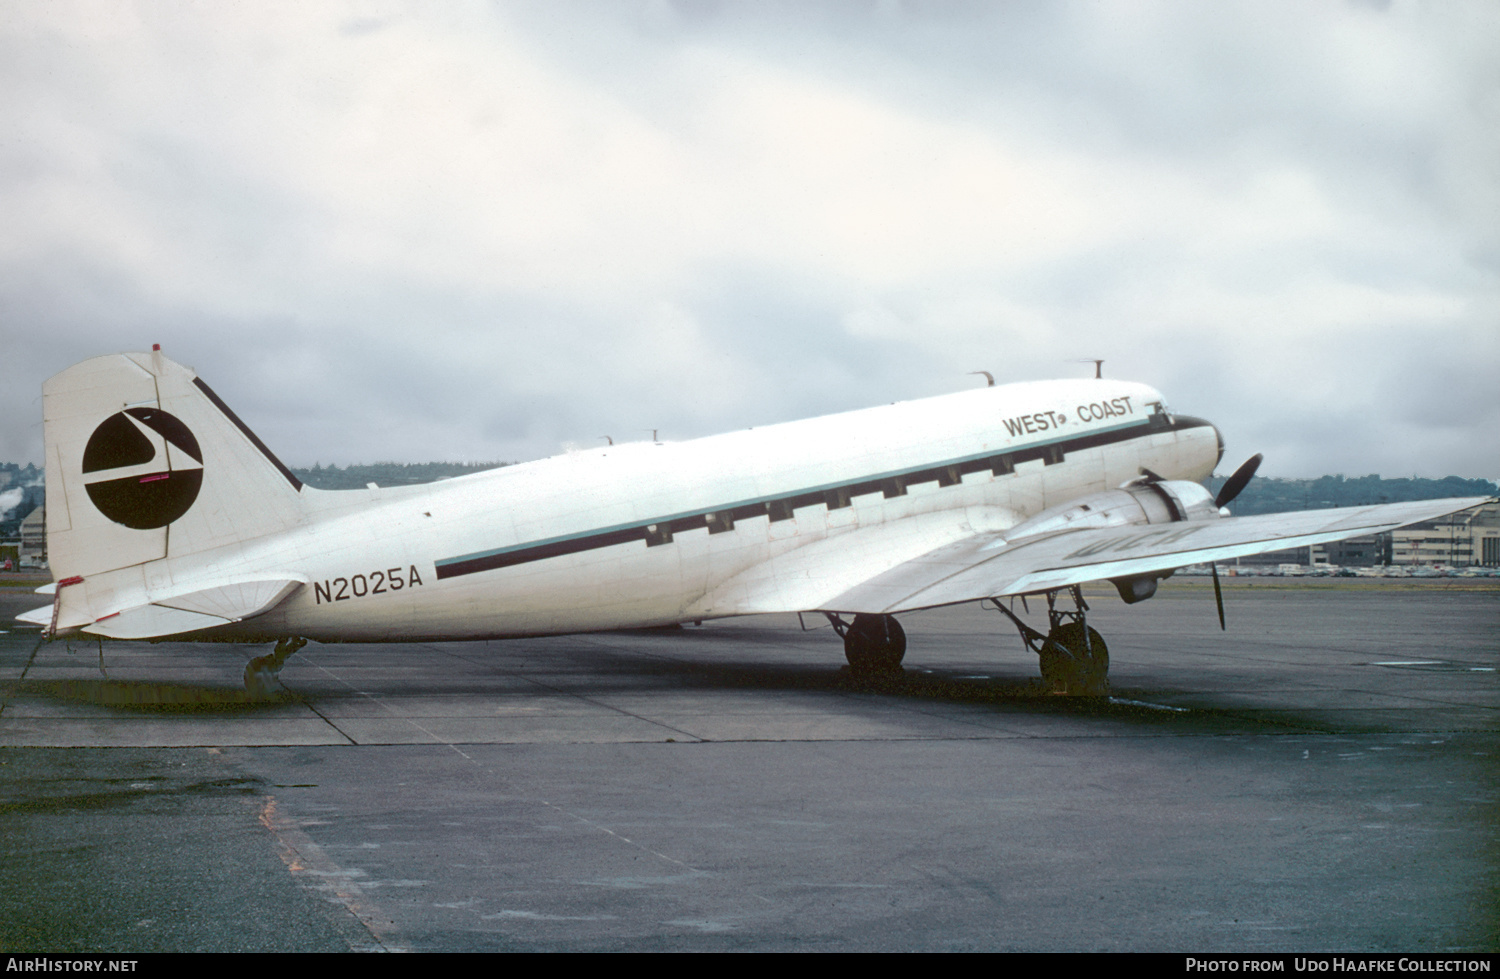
360, 475
1270, 495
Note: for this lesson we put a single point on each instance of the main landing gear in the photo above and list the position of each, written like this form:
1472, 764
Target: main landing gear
261, 672
1072, 655
873, 644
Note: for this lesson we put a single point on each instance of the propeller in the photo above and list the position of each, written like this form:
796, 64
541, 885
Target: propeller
1232, 487
1218, 594
1235, 484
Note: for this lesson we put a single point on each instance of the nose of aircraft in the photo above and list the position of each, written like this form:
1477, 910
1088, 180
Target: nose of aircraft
1191, 421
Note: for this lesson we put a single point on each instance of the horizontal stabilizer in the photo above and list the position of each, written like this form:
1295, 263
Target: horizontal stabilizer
235, 602
37, 616
151, 622
188, 612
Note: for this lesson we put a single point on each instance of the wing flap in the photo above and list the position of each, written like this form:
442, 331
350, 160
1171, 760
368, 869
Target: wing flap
809, 576
989, 565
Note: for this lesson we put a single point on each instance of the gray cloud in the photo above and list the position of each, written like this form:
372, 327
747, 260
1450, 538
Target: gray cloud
482, 232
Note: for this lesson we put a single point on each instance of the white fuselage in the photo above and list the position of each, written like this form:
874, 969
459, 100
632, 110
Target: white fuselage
653, 533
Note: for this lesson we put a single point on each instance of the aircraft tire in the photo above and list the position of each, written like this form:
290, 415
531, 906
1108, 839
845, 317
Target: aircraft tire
1069, 665
875, 644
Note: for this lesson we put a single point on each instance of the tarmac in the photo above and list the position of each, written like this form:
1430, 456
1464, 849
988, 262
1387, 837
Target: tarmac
1320, 777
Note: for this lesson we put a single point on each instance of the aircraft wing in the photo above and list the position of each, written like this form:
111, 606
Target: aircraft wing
989, 565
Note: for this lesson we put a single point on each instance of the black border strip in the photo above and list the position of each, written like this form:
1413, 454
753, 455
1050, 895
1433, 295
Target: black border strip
780, 507
254, 440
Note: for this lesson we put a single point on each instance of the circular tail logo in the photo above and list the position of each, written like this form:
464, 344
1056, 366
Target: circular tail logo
142, 468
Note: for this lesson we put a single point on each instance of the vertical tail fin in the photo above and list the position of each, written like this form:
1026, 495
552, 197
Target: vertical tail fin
145, 462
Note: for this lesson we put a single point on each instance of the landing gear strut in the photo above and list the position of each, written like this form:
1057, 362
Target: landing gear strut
261, 672
873, 644
1072, 655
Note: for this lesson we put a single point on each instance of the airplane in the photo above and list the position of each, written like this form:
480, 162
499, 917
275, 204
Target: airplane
167, 518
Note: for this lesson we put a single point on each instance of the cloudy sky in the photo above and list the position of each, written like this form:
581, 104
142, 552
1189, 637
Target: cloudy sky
480, 231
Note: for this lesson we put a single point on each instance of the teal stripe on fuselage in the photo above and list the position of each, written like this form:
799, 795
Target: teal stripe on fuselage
610, 535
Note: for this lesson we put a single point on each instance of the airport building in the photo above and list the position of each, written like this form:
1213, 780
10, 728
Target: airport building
1460, 540
33, 550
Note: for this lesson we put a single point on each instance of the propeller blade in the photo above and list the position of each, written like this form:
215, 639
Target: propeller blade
1218, 594
1236, 483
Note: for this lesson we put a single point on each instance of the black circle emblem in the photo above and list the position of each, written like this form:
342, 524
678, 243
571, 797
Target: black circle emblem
142, 468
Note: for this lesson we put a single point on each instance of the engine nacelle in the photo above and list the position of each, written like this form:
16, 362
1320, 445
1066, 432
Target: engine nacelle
1139, 502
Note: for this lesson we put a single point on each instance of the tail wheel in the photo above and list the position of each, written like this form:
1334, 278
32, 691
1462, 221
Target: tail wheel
875, 644
1075, 661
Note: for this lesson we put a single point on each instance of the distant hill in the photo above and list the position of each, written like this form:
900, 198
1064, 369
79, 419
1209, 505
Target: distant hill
388, 473
1268, 495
